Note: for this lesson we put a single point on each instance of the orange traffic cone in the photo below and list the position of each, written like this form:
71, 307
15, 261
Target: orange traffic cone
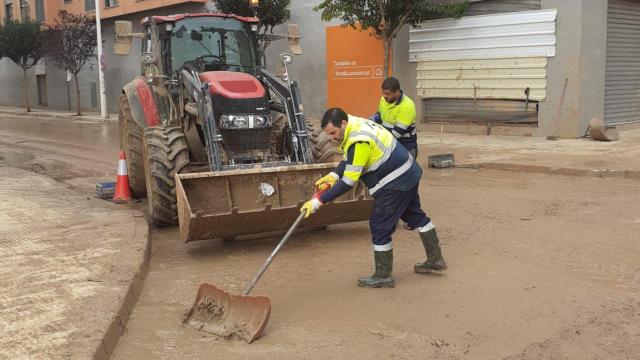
123, 190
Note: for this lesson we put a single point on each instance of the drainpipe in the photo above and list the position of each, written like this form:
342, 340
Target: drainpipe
101, 62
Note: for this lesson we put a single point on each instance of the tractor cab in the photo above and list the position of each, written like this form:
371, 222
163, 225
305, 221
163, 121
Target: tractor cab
221, 51
206, 42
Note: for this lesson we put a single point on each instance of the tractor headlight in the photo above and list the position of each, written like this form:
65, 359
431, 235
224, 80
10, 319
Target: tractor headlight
225, 122
259, 121
244, 121
240, 121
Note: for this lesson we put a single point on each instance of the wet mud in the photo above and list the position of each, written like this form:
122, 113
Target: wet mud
527, 266
540, 267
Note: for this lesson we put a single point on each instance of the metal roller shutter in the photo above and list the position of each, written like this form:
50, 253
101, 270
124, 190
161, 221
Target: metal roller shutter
622, 81
501, 6
480, 111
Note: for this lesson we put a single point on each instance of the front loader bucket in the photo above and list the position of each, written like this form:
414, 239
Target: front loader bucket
218, 312
226, 204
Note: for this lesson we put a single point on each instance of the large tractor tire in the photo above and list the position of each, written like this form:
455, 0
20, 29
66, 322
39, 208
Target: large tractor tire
166, 154
324, 149
277, 137
131, 143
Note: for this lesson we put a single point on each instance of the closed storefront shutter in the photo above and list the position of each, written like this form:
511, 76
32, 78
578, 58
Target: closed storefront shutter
622, 82
480, 111
484, 68
501, 6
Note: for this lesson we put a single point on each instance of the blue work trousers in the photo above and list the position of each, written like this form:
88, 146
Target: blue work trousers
389, 206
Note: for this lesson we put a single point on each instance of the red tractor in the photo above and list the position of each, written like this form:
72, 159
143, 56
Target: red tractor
215, 141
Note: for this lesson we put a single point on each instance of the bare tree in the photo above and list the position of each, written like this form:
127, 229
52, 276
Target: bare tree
23, 43
71, 44
270, 13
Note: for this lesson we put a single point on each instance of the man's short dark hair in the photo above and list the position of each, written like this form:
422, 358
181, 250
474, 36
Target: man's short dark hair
334, 116
391, 84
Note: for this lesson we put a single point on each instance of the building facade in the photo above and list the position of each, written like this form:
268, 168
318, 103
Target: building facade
521, 67
525, 67
534, 67
49, 85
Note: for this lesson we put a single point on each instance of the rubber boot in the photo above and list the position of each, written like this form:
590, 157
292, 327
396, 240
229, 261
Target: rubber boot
435, 261
382, 277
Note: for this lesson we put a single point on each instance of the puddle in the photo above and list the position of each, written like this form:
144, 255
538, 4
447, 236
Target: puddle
15, 159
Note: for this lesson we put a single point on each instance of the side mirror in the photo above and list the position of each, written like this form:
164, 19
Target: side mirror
294, 38
286, 58
122, 45
124, 36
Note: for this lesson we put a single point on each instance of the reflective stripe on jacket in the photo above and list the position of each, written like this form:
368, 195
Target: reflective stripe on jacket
377, 160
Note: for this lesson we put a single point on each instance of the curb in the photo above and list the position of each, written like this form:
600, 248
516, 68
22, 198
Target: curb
597, 173
104, 349
23, 113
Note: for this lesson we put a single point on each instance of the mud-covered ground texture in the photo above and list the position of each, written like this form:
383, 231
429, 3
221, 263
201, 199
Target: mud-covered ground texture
540, 267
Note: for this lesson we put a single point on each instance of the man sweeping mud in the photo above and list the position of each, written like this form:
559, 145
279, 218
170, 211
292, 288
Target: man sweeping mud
373, 155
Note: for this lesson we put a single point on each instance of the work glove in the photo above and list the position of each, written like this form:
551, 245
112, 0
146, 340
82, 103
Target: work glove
311, 207
376, 118
329, 179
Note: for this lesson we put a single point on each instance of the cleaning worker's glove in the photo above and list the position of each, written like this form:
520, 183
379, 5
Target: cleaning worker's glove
329, 179
311, 207
376, 118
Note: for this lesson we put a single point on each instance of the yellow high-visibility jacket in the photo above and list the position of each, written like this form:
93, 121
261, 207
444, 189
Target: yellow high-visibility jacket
372, 154
400, 119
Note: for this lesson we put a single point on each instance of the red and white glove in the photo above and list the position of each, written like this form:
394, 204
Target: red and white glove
311, 207
330, 180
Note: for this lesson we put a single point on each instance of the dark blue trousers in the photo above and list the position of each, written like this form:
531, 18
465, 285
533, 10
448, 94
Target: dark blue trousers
389, 206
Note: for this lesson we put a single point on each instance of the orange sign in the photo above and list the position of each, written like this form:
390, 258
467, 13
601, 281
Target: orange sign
355, 70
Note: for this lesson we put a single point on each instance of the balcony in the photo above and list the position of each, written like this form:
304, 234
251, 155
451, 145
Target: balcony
115, 8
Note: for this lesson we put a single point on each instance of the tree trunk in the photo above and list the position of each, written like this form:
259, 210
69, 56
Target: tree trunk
26, 91
75, 78
387, 55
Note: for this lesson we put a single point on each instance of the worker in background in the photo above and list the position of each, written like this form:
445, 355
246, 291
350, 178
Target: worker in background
372, 155
397, 113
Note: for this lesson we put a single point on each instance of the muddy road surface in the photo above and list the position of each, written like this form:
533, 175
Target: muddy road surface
540, 267
77, 153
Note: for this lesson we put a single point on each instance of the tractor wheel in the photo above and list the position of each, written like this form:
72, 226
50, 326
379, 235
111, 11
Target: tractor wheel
166, 153
277, 138
324, 149
131, 144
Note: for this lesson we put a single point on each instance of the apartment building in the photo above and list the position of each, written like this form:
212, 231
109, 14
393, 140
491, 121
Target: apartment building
49, 85
45, 11
23, 9
526, 67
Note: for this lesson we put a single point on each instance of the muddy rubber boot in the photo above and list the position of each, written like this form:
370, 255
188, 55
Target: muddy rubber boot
382, 277
435, 261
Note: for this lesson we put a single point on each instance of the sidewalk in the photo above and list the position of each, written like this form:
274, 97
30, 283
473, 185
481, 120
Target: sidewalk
71, 267
583, 157
57, 114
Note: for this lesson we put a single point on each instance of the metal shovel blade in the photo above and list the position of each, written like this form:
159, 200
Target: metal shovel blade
223, 314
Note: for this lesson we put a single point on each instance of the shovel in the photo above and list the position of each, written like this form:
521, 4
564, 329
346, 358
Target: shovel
221, 313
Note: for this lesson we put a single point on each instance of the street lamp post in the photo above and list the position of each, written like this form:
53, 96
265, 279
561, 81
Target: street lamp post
101, 62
